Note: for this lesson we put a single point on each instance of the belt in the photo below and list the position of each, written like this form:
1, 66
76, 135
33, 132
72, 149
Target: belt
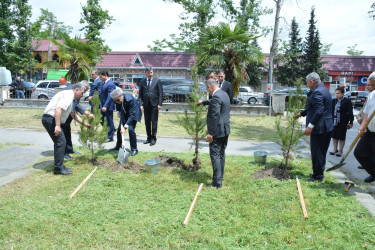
47, 115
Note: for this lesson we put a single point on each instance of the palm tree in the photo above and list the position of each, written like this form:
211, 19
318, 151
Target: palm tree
79, 54
229, 50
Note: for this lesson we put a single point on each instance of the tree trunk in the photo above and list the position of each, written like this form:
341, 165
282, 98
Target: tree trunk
275, 37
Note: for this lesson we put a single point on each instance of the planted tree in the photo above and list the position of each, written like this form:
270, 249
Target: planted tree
289, 130
94, 137
195, 123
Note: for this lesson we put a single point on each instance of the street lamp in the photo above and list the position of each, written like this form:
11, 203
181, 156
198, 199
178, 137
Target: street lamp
30, 45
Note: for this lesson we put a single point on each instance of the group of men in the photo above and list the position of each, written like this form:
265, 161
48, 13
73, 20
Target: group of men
319, 126
318, 112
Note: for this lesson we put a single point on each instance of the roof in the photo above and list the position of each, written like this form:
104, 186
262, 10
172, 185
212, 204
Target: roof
344, 63
148, 59
43, 45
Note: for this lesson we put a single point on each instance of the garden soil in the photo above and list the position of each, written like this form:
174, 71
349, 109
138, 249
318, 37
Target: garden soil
272, 172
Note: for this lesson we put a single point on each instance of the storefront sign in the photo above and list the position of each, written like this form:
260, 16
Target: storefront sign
362, 80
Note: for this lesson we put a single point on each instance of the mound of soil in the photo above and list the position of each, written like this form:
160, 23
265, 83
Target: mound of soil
169, 162
272, 172
130, 166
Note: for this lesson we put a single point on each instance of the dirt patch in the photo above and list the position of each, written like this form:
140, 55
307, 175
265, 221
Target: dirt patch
173, 162
130, 166
272, 172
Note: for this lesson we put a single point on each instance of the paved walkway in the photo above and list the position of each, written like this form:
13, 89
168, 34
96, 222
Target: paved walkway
15, 159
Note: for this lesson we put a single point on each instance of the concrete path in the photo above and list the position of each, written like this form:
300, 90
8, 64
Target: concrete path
14, 160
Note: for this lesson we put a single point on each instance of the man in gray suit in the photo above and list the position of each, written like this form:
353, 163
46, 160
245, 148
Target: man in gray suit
151, 98
218, 130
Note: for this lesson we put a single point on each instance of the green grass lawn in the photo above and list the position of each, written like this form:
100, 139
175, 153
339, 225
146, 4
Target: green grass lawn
256, 128
124, 210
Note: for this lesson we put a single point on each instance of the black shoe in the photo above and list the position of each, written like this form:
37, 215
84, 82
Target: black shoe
333, 153
315, 179
152, 143
75, 152
360, 167
67, 156
134, 152
109, 140
146, 141
370, 179
213, 185
114, 149
62, 172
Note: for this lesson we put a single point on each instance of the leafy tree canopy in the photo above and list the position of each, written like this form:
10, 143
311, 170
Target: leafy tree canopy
353, 51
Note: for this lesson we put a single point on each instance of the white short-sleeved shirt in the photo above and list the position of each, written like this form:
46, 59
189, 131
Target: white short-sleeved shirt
369, 108
64, 100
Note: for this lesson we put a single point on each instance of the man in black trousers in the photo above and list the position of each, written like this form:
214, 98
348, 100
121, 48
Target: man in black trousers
319, 123
218, 130
56, 113
151, 98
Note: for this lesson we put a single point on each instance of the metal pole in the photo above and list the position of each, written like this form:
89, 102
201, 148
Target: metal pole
271, 84
31, 44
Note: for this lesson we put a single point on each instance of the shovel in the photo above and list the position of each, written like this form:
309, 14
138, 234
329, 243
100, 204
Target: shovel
123, 153
339, 165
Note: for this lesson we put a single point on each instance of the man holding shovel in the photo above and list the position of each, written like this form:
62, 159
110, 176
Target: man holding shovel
365, 149
130, 114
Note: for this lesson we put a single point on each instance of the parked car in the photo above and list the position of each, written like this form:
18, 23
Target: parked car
130, 88
178, 92
45, 90
29, 89
288, 92
358, 98
246, 94
168, 81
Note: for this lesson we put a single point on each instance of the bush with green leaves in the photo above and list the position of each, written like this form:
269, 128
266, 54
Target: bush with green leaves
291, 133
93, 138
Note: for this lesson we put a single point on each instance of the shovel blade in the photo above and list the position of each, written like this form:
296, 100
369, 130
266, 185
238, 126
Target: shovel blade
123, 155
336, 167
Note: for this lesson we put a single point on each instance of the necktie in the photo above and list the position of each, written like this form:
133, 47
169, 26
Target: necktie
149, 82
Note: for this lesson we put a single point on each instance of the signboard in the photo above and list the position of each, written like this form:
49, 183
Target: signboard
342, 82
362, 80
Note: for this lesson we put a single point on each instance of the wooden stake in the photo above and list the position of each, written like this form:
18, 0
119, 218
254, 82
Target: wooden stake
83, 183
186, 221
302, 200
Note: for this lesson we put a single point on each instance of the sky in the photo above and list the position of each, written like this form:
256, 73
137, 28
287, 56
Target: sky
139, 22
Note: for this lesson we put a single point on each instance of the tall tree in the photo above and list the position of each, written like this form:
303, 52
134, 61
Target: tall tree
229, 50
311, 54
353, 51
372, 12
289, 67
80, 56
14, 36
95, 19
47, 25
199, 14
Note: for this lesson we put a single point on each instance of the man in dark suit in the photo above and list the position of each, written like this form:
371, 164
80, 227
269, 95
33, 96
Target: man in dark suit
218, 130
151, 97
319, 123
223, 85
130, 113
96, 86
106, 103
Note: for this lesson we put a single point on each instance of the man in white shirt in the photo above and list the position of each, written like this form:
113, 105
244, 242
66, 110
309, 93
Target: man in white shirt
56, 113
365, 149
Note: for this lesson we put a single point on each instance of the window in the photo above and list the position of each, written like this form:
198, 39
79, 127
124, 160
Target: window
54, 85
38, 58
114, 77
55, 57
43, 85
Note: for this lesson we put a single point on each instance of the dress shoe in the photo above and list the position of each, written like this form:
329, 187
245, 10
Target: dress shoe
134, 152
67, 156
109, 140
370, 179
315, 179
360, 167
213, 185
62, 172
114, 149
75, 152
152, 143
146, 141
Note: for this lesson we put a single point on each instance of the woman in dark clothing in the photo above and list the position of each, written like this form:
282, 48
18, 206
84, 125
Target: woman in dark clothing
342, 109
